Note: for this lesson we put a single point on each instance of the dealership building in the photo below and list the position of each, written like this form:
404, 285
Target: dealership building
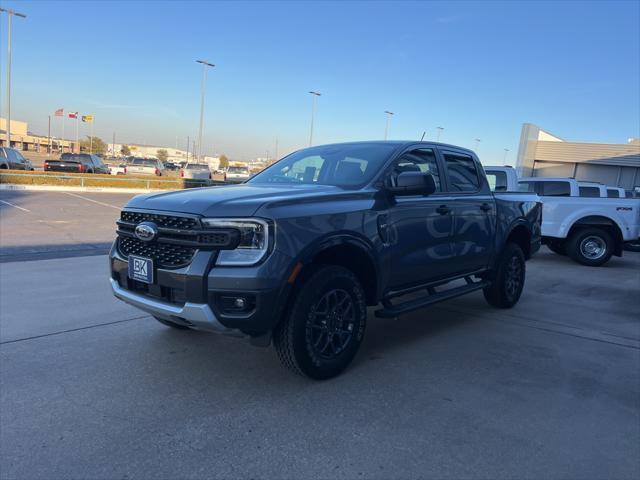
543, 154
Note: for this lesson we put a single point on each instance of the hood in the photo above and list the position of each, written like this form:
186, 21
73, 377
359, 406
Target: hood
228, 201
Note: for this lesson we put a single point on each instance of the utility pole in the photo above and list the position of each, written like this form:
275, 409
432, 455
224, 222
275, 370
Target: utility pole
10, 14
440, 129
477, 140
188, 148
113, 145
49, 146
386, 128
276, 154
314, 96
203, 88
506, 151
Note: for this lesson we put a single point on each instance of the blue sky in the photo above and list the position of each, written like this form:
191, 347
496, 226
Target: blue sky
479, 69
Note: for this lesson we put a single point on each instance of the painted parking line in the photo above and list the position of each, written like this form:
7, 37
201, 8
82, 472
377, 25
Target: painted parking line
92, 200
15, 206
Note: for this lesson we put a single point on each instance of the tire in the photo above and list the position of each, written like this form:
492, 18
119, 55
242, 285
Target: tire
508, 280
558, 247
590, 246
171, 324
321, 345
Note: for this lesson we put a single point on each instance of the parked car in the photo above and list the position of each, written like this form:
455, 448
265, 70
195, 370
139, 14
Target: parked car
12, 159
171, 166
592, 189
237, 174
616, 192
296, 254
145, 166
78, 163
199, 171
588, 229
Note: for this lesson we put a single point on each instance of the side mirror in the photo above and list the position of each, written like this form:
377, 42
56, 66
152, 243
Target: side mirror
414, 183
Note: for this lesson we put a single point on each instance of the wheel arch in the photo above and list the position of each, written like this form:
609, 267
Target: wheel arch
520, 234
608, 224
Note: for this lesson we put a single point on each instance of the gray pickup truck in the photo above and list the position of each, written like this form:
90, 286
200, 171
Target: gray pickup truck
295, 255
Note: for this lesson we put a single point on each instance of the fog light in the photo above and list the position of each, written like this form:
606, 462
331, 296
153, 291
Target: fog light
233, 303
239, 303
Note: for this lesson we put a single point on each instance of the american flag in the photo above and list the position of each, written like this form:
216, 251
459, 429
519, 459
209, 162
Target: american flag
73, 114
59, 112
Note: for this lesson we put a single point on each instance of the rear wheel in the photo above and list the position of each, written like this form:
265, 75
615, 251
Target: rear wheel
322, 331
171, 324
508, 280
591, 246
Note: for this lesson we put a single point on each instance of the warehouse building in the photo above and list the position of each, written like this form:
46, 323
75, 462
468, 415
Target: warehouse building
543, 154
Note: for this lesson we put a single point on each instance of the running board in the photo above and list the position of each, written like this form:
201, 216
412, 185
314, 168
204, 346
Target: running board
391, 311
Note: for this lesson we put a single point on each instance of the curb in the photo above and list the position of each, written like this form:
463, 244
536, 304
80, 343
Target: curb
55, 188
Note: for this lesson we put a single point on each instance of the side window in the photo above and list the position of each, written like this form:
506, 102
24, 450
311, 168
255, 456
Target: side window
529, 187
554, 189
11, 155
589, 191
421, 160
613, 193
463, 176
497, 181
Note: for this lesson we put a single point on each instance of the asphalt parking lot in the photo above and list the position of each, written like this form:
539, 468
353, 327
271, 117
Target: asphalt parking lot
93, 388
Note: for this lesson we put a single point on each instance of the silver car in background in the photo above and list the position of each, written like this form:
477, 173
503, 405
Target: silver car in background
237, 174
145, 166
196, 171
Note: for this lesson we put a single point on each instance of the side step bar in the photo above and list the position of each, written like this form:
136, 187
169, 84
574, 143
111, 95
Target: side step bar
391, 311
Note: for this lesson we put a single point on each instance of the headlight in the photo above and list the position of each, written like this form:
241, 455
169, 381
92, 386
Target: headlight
254, 240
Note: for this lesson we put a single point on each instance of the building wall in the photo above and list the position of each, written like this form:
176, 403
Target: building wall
542, 154
17, 127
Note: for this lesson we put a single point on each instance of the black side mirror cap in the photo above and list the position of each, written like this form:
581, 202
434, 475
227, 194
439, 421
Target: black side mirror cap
414, 183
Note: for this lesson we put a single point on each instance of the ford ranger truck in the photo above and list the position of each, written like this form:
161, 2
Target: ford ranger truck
295, 255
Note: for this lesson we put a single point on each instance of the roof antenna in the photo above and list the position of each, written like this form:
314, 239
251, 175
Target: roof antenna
423, 134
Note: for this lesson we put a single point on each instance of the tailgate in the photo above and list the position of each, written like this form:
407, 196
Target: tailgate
63, 166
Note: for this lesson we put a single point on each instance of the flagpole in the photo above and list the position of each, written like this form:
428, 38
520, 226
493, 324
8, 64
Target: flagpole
77, 135
91, 137
62, 141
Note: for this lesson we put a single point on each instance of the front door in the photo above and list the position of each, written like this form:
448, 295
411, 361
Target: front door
419, 227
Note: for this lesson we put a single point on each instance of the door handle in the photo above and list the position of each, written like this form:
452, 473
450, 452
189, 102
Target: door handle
443, 210
485, 207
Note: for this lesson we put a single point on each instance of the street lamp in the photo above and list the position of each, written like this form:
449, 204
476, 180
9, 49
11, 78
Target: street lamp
506, 151
477, 140
440, 129
386, 128
10, 13
203, 88
314, 96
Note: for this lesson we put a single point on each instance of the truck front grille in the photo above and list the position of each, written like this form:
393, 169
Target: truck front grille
163, 254
167, 221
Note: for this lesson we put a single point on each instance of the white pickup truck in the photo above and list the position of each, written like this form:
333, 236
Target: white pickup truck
587, 228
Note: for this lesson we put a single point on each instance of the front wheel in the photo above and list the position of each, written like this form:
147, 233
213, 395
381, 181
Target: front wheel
591, 246
508, 280
322, 331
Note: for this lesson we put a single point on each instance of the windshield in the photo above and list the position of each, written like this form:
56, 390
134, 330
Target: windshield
238, 170
346, 165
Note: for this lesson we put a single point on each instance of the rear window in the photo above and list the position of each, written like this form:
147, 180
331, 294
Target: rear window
196, 166
589, 191
554, 189
143, 161
463, 176
238, 170
75, 157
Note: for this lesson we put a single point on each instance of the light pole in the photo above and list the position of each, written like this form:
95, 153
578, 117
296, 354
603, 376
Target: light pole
440, 129
204, 84
314, 97
10, 14
386, 128
504, 160
477, 140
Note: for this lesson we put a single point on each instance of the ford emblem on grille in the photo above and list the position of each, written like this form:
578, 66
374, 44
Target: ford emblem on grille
146, 231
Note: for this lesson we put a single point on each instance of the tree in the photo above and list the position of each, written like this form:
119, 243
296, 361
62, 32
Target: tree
93, 145
224, 161
124, 150
162, 155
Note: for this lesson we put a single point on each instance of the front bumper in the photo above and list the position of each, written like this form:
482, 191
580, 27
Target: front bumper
193, 295
194, 315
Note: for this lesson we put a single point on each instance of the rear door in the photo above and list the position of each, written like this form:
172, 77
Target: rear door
419, 228
474, 211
